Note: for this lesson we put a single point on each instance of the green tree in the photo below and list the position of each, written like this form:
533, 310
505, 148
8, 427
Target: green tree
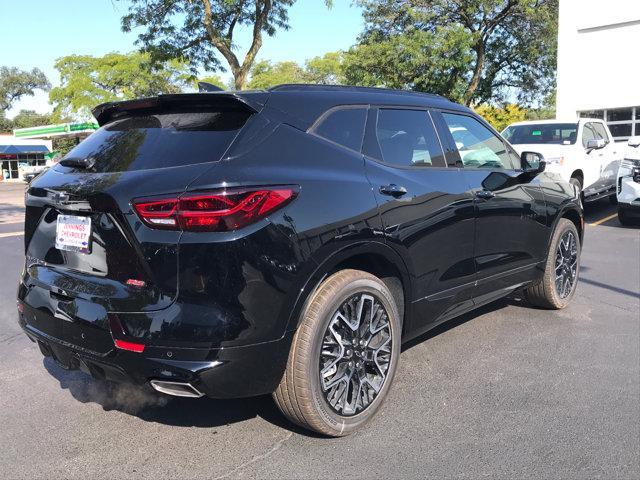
6, 125
29, 118
16, 83
265, 74
546, 110
24, 119
86, 81
213, 80
477, 50
416, 60
501, 117
326, 70
193, 30
64, 145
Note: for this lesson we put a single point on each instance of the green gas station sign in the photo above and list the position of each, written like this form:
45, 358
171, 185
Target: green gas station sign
56, 130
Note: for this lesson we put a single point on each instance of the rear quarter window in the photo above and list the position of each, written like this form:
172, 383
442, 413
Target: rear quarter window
344, 126
161, 140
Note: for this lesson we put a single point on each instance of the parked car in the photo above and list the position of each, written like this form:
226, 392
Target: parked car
32, 172
629, 184
284, 241
580, 151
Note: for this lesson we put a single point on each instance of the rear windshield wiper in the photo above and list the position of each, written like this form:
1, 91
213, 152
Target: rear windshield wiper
78, 162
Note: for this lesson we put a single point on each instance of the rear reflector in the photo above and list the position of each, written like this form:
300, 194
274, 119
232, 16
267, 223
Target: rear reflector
130, 346
219, 211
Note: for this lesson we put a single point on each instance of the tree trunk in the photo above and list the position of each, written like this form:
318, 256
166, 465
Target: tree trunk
240, 79
477, 73
223, 44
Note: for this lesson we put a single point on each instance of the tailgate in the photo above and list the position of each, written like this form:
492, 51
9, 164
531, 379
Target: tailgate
125, 267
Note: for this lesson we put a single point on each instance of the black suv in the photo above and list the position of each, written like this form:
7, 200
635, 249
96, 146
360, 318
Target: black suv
285, 241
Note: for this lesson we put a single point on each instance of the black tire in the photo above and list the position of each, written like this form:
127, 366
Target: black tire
545, 293
300, 396
623, 218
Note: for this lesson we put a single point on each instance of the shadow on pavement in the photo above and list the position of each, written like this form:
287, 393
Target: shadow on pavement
151, 406
594, 211
455, 322
611, 287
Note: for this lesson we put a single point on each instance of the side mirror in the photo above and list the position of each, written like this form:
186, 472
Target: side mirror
595, 144
532, 163
634, 141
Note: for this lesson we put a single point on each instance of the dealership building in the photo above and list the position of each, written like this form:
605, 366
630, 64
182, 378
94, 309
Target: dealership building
598, 64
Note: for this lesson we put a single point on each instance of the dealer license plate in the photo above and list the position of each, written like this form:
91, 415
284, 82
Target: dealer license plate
73, 233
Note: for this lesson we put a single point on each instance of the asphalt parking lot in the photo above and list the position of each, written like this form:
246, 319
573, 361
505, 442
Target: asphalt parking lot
506, 392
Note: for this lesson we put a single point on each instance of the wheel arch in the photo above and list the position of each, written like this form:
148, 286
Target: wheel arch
579, 174
373, 257
577, 219
572, 213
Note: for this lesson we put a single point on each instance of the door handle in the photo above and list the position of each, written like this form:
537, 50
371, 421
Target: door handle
486, 194
393, 190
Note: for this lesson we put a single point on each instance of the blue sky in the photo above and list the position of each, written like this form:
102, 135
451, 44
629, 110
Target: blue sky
36, 32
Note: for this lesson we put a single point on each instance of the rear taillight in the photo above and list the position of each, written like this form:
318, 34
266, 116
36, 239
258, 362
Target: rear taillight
218, 211
130, 346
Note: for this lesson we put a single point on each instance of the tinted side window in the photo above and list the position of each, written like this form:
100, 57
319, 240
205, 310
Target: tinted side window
408, 138
601, 132
344, 127
588, 133
477, 145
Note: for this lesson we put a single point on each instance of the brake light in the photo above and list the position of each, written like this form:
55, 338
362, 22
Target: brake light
136, 283
219, 211
130, 346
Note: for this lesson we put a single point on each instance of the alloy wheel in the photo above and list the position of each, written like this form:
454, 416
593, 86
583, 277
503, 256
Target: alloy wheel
566, 264
355, 355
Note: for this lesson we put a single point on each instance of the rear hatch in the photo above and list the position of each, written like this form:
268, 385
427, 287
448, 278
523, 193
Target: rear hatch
87, 252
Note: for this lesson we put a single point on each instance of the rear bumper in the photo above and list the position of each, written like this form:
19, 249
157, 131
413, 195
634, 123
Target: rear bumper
231, 372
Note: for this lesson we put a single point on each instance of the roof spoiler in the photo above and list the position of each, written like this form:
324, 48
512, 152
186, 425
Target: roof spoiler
249, 101
208, 87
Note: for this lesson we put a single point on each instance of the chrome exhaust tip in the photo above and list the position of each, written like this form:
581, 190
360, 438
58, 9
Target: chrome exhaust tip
177, 389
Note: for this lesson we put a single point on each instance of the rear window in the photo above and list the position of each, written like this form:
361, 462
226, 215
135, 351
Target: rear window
161, 140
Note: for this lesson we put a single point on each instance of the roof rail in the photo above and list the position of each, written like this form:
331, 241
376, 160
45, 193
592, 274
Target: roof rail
292, 87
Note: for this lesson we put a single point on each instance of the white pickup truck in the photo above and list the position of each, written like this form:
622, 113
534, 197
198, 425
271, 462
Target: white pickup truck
580, 151
629, 184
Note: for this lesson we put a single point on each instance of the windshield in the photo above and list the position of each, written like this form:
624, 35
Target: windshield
549, 133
